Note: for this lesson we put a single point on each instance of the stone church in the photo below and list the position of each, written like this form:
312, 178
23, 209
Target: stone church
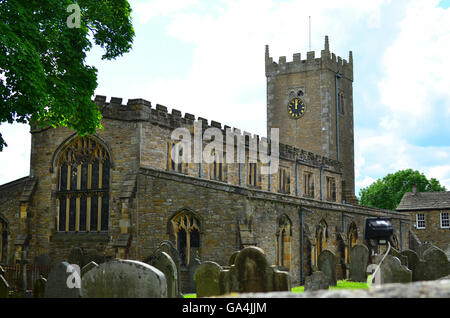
119, 193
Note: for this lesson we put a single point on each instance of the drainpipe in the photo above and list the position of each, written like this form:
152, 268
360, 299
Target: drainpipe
338, 75
239, 172
270, 176
321, 183
296, 178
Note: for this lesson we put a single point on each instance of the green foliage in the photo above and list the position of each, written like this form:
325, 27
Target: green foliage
387, 193
43, 76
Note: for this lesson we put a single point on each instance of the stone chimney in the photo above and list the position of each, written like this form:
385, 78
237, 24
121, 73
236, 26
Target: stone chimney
414, 189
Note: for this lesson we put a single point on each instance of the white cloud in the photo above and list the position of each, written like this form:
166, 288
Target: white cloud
150, 9
15, 159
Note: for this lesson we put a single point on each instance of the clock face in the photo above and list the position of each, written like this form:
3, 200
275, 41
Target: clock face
296, 108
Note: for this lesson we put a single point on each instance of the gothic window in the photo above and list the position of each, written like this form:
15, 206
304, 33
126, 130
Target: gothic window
321, 237
217, 168
83, 190
3, 241
252, 174
186, 229
284, 236
284, 180
308, 184
175, 153
331, 189
352, 238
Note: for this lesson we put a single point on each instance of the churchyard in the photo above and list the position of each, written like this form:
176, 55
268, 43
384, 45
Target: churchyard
248, 273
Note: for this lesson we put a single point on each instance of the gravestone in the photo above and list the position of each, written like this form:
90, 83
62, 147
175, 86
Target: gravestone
422, 248
169, 248
4, 287
447, 251
327, 265
86, 268
316, 281
413, 263
2, 271
39, 287
392, 271
63, 282
124, 279
436, 264
253, 271
76, 256
163, 262
192, 267
206, 279
281, 279
403, 259
359, 260
233, 258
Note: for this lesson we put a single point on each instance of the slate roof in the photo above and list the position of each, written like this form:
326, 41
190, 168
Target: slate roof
425, 201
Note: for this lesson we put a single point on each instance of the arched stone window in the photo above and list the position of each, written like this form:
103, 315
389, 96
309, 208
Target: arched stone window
186, 229
321, 237
284, 238
352, 238
3, 241
83, 187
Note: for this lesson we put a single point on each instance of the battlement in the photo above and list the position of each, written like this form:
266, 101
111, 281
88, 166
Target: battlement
327, 60
142, 110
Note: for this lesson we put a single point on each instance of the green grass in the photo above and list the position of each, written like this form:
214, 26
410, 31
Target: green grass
342, 284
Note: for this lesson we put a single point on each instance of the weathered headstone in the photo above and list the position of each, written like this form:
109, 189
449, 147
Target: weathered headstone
327, 265
39, 287
192, 267
253, 271
413, 263
4, 287
63, 282
403, 259
316, 281
206, 279
163, 262
2, 271
86, 268
281, 279
359, 260
169, 248
422, 248
436, 265
392, 271
124, 279
76, 256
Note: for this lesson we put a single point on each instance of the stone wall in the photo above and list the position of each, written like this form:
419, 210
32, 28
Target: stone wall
433, 232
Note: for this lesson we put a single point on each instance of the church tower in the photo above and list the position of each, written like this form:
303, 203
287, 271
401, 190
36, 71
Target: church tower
311, 102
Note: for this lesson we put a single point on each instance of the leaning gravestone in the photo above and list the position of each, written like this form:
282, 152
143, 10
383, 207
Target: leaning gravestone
39, 287
163, 262
403, 259
233, 258
206, 279
124, 279
63, 282
327, 265
169, 248
192, 267
413, 263
316, 281
86, 268
4, 287
436, 265
392, 271
359, 260
423, 247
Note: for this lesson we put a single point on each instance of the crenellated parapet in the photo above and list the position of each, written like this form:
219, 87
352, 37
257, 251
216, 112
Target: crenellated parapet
327, 60
142, 110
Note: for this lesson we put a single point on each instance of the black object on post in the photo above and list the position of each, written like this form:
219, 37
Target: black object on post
379, 230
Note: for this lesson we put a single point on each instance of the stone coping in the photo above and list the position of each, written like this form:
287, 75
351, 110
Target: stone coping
77, 237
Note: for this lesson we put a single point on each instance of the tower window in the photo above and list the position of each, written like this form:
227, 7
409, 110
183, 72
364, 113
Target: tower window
284, 235
175, 152
341, 103
252, 174
217, 168
83, 192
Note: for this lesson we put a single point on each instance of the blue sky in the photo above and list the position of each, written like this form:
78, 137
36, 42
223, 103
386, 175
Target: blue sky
207, 58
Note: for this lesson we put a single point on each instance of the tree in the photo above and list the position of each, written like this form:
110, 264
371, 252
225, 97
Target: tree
43, 46
387, 193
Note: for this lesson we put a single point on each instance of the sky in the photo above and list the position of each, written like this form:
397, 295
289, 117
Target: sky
206, 57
